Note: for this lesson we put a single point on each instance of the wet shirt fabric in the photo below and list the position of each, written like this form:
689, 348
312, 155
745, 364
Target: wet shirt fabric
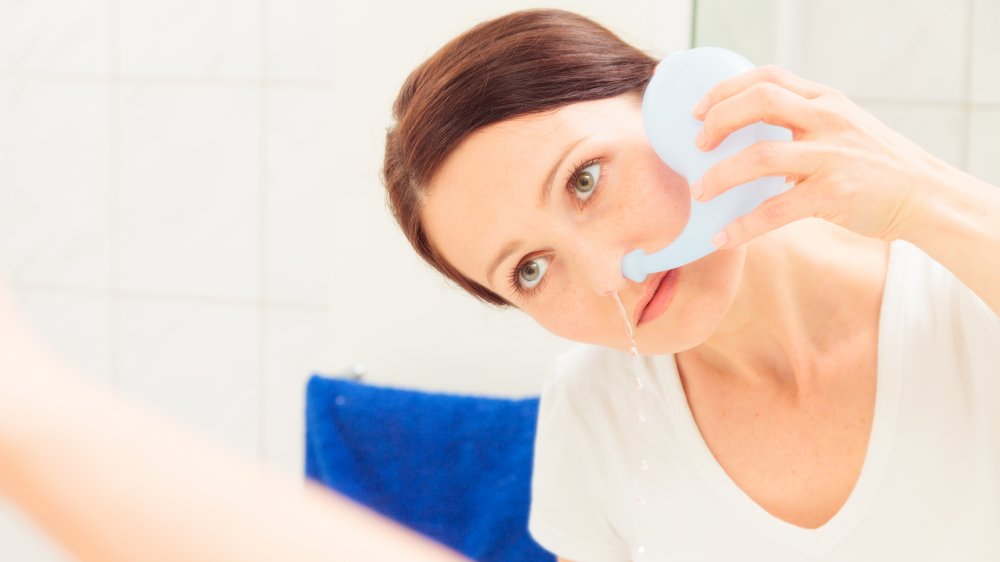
622, 473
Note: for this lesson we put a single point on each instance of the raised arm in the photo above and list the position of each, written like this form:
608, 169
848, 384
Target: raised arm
959, 227
851, 170
114, 482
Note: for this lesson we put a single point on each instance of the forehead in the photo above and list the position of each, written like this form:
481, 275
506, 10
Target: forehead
486, 192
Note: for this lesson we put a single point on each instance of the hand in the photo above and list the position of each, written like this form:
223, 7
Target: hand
848, 167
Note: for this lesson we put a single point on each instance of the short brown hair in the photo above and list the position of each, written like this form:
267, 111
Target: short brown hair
525, 62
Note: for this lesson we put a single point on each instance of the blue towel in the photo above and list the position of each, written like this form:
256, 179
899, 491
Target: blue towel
455, 468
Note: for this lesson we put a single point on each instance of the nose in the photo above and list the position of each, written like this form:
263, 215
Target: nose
599, 267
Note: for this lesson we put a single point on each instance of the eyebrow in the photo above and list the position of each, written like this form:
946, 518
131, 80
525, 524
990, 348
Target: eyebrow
546, 189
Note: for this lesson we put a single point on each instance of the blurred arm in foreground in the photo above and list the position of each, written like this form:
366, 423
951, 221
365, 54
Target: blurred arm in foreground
112, 481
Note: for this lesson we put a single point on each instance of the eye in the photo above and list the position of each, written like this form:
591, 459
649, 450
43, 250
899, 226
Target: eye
584, 181
530, 273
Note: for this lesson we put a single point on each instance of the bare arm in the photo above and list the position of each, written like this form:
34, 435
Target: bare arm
959, 227
113, 481
849, 169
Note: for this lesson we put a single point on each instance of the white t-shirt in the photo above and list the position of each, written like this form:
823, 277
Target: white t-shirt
610, 487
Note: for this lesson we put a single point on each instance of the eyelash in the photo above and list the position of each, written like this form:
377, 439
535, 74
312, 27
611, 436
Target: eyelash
575, 172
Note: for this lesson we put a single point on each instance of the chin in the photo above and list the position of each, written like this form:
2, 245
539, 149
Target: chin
663, 346
700, 305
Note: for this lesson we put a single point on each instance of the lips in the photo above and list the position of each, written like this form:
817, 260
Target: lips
656, 296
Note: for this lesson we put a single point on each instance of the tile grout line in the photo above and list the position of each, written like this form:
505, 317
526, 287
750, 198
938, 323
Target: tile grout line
693, 39
114, 181
912, 103
970, 54
83, 77
262, 235
163, 297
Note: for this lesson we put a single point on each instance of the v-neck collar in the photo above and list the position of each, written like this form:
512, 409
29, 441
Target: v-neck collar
821, 540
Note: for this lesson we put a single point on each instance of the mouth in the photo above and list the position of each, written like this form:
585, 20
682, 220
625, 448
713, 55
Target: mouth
656, 297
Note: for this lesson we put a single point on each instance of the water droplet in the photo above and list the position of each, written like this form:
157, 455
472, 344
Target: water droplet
633, 347
340, 400
638, 383
641, 549
644, 465
641, 417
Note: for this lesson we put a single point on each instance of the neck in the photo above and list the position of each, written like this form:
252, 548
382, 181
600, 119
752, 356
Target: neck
798, 310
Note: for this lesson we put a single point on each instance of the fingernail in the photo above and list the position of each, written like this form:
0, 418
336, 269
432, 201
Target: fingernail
696, 190
700, 139
700, 107
720, 239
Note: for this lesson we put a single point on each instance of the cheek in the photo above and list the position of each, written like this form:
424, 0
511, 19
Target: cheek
579, 317
660, 203
707, 293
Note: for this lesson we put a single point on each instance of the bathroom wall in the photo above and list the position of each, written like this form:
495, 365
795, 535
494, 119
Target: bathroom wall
928, 68
190, 208
165, 202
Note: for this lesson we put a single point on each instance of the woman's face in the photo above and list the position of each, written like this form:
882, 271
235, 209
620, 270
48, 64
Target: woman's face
542, 208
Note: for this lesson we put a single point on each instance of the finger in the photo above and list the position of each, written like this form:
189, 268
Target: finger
767, 73
761, 102
798, 159
773, 213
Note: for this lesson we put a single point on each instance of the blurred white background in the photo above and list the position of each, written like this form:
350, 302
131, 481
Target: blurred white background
190, 206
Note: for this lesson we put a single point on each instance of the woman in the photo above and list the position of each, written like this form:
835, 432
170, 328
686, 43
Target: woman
825, 384
817, 386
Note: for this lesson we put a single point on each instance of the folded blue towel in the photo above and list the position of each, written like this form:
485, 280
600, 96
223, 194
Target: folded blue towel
455, 468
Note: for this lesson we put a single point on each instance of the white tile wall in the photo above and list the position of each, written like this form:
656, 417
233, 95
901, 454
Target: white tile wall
189, 38
301, 175
986, 51
984, 143
76, 324
725, 24
297, 344
63, 36
300, 40
54, 204
940, 128
188, 203
199, 361
888, 49
163, 165
928, 69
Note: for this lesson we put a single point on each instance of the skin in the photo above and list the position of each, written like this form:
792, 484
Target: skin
760, 336
146, 487
485, 195
775, 334
861, 183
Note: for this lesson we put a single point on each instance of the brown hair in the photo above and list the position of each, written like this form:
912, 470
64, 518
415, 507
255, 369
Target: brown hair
525, 62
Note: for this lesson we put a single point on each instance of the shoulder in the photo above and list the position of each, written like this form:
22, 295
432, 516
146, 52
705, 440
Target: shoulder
575, 464
946, 337
935, 297
587, 402
582, 376
584, 362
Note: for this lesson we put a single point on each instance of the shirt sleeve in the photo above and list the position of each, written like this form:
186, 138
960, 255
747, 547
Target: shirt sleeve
567, 516
978, 328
